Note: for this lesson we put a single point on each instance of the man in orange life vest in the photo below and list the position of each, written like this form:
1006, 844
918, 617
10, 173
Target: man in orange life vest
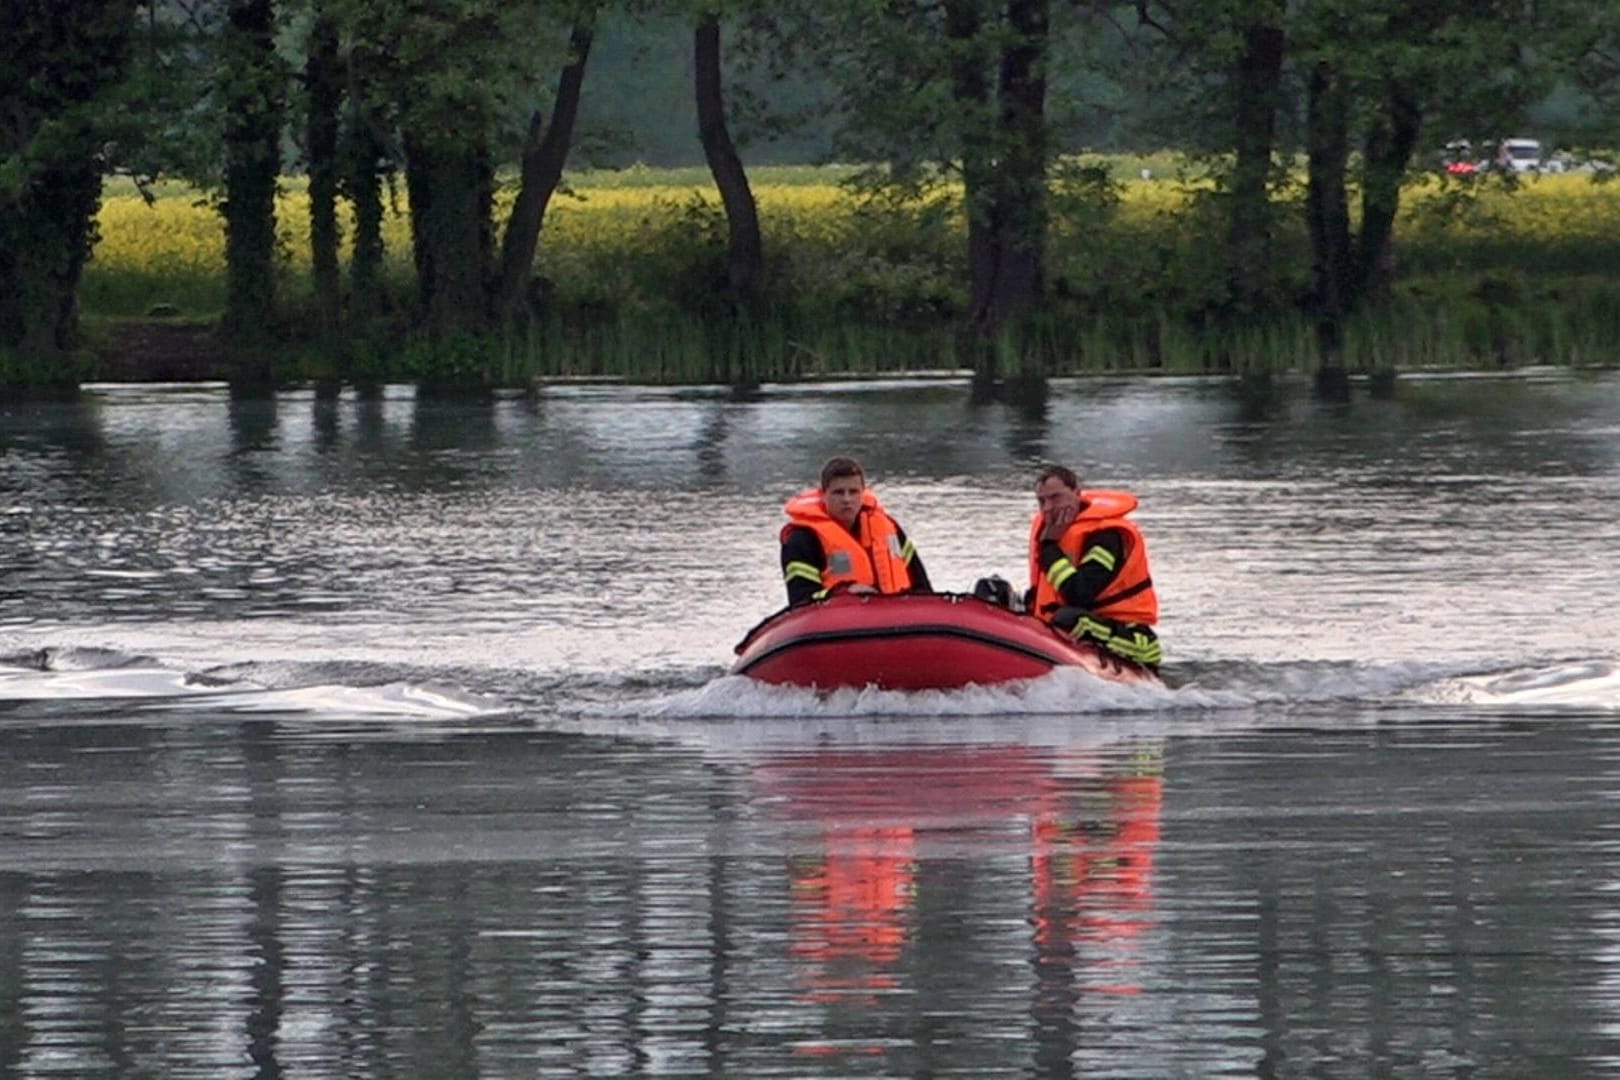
1088, 567
838, 537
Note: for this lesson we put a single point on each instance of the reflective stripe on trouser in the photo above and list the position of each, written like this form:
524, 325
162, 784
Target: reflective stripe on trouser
1134, 643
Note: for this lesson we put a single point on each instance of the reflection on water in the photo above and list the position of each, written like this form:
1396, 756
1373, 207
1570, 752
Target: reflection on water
1083, 826
383, 735
1301, 903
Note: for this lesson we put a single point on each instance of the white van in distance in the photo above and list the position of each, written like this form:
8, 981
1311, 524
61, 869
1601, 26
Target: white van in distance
1520, 155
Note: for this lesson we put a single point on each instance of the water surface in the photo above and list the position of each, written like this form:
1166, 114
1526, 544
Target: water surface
391, 736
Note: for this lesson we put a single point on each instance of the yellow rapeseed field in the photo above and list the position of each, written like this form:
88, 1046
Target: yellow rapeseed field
177, 231
180, 234
1543, 208
600, 221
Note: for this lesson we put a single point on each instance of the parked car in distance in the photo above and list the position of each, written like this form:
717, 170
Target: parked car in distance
1458, 158
1520, 155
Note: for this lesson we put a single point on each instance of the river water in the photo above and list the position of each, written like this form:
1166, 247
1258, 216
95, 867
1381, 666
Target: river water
378, 737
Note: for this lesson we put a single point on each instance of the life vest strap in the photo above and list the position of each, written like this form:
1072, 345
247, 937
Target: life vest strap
1125, 594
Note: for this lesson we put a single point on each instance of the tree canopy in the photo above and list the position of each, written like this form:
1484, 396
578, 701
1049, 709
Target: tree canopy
987, 98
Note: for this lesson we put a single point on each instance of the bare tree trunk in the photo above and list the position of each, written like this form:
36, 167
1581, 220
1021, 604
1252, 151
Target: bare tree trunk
745, 256
545, 151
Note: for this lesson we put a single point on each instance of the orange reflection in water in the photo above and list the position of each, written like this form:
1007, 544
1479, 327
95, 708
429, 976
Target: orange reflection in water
1093, 827
1093, 875
850, 910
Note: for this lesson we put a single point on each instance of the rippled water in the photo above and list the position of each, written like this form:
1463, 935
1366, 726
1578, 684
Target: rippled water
381, 736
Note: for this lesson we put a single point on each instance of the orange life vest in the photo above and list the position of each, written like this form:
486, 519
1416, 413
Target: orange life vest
873, 558
1129, 598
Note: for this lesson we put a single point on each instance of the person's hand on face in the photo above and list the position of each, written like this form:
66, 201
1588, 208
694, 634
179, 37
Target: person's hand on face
1056, 521
1058, 504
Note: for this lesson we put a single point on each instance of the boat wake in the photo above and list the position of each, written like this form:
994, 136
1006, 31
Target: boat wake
91, 676
84, 681
1189, 689
1581, 685
1056, 692
1061, 692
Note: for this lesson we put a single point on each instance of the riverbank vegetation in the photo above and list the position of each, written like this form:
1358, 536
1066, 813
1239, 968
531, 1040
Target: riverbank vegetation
1488, 278
354, 190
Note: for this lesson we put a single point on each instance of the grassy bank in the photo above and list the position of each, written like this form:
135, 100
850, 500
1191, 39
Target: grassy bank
632, 261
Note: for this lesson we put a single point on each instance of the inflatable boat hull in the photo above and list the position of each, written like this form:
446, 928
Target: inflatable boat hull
940, 641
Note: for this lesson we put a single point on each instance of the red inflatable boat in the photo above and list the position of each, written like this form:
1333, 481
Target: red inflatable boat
938, 641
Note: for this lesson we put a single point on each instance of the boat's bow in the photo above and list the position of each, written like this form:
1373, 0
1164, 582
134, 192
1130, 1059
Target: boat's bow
932, 641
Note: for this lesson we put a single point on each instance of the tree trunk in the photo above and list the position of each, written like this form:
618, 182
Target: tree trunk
745, 254
451, 187
323, 83
51, 140
1004, 158
1257, 83
46, 233
419, 198
1019, 216
970, 91
1327, 207
253, 94
362, 182
1389, 150
543, 160
364, 186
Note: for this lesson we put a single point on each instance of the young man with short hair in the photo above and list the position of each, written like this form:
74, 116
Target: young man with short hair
839, 537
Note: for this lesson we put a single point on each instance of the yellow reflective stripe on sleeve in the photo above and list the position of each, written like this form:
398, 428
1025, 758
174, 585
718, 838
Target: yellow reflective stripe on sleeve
908, 551
1101, 556
1059, 572
801, 570
820, 594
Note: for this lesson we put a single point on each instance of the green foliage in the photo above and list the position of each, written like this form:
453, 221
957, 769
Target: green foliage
880, 82
861, 286
56, 73
31, 372
458, 72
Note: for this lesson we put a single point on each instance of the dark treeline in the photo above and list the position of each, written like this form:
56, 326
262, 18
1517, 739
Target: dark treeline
444, 99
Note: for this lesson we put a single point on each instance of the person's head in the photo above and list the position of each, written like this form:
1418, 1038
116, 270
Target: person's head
1057, 487
842, 483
